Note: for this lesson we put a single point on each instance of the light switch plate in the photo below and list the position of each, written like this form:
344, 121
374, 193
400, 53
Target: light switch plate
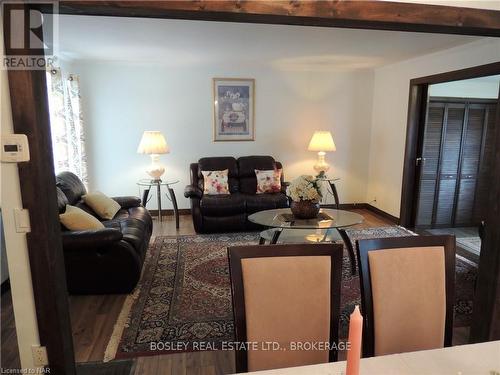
22, 220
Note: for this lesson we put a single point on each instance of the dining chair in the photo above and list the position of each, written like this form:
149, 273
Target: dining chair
289, 295
407, 293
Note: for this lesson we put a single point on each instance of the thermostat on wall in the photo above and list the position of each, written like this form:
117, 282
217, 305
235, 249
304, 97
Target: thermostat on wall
15, 148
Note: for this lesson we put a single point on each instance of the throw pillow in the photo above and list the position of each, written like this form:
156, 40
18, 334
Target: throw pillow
102, 205
75, 218
215, 182
268, 181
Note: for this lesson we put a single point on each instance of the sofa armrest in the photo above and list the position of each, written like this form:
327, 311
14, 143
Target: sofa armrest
128, 202
192, 191
88, 239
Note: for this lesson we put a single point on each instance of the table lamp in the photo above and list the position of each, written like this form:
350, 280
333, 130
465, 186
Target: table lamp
322, 142
154, 144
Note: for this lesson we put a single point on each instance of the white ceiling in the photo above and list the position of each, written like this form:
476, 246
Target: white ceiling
179, 42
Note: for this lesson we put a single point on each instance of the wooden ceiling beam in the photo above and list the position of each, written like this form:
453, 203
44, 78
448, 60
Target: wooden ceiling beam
328, 13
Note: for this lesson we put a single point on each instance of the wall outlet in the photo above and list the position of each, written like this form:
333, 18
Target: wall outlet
40, 357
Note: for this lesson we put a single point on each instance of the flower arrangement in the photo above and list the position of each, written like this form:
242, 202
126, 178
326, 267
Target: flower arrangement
305, 188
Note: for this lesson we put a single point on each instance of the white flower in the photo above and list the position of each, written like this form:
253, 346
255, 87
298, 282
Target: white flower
305, 188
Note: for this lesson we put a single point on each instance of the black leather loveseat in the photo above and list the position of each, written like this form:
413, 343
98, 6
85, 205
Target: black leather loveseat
108, 260
225, 213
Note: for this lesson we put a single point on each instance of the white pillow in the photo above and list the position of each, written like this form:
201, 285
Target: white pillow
75, 218
103, 205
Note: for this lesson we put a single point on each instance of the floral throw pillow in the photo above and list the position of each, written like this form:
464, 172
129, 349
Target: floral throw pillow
268, 181
215, 182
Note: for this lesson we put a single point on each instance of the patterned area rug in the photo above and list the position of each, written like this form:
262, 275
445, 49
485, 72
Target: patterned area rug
184, 295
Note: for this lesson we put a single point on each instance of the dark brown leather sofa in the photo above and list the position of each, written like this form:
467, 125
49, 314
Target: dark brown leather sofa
226, 213
109, 260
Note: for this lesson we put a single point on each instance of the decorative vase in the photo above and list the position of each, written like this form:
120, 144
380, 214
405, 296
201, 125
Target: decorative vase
304, 209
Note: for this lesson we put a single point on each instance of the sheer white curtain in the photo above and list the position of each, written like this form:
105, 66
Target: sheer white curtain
66, 123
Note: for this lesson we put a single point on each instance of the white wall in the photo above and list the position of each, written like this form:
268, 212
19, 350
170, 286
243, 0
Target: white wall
122, 100
390, 107
468, 88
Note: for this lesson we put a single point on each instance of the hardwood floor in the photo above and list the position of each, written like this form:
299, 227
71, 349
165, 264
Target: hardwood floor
93, 319
9, 356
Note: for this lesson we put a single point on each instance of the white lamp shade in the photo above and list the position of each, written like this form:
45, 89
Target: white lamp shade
322, 141
153, 142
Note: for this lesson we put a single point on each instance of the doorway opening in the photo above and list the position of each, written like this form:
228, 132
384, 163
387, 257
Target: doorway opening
450, 166
456, 161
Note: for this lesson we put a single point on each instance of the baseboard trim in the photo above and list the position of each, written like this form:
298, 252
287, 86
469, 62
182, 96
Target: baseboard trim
5, 287
346, 206
366, 206
182, 211
382, 213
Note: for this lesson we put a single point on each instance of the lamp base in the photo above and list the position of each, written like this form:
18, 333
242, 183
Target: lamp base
321, 166
155, 170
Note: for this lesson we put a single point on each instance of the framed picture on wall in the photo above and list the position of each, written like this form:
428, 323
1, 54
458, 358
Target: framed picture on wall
234, 102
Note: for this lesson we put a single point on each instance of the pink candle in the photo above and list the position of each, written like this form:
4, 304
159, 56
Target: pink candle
355, 332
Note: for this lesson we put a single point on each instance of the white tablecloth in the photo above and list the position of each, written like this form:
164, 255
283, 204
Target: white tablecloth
475, 359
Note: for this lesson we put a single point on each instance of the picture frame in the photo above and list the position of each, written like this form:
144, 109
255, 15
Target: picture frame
234, 109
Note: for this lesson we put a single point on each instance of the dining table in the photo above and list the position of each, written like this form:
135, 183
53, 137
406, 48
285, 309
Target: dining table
473, 359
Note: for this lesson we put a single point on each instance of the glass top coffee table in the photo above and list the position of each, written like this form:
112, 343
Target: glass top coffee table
327, 227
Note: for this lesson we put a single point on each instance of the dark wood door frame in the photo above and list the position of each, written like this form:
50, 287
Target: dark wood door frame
31, 117
486, 315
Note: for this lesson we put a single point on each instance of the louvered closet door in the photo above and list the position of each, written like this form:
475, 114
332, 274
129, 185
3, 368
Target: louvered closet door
449, 164
469, 164
429, 168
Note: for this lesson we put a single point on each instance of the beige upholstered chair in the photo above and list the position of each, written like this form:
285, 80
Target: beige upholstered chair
285, 294
407, 293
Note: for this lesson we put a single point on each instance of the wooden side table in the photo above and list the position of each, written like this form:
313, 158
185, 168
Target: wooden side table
147, 184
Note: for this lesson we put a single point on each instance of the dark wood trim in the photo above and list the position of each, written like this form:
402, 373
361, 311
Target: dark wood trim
393, 219
170, 212
237, 253
30, 116
486, 313
5, 287
457, 75
446, 99
364, 206
345, 206
417, 109
414, 143
328, 13
363, 247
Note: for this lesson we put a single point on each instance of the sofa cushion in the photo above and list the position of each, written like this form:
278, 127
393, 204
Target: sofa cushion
139, 213
71, 186
222, 205
134, 231
219, 164
262, 202
247, 166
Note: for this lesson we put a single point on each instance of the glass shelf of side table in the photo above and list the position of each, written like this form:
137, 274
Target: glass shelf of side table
146, 184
